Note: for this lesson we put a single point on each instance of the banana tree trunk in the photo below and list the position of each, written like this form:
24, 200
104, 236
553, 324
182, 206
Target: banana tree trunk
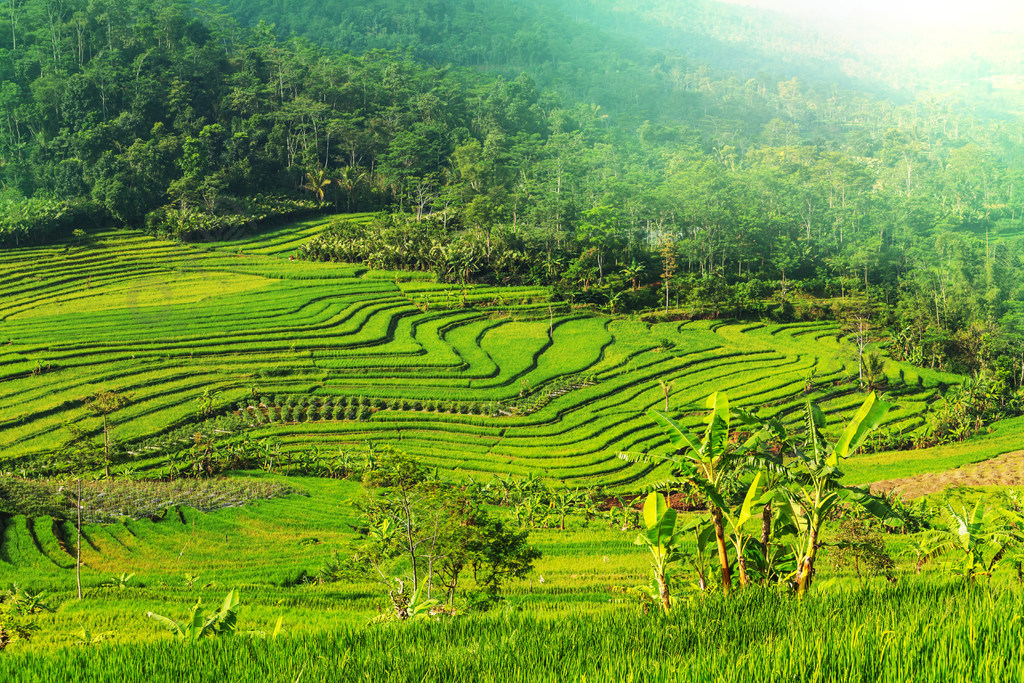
723, 552
805, 573
666, 600
766, 534
741, 565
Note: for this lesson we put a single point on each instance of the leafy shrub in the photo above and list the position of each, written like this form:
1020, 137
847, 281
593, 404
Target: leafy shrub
228, 214
37, 220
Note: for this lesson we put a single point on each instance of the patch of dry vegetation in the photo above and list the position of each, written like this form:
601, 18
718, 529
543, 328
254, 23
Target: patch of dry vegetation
1003, 470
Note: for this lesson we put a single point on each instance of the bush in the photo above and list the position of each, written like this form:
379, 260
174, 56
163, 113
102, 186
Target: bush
228, 215
38, 220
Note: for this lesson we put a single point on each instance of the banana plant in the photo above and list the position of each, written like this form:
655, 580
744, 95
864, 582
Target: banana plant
979, 538
659, 538
408, 608
197, 626
703, 535
119, 582
813, 490
26, 602
564, 504
706, 462
621, 516
420, 607
736, 521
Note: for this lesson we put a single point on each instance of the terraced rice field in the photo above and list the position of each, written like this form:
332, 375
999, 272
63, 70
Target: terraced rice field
167, 322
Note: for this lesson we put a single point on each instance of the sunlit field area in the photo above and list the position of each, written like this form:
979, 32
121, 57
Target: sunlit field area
660, 340
499, 389
479, 381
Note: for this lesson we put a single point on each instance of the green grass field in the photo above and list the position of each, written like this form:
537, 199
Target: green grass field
924, 628
857, 636
477, 382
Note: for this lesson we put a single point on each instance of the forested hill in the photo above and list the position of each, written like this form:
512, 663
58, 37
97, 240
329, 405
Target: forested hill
605, 50
623, 183
613, 53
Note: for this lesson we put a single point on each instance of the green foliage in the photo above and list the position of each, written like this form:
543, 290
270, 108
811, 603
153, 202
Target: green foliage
120, 581
25, 602
888, 634
115, 500
37, 219
858, 545
660, 540
424, 535
814, 487
13, 627
744, 180
807, 489
197, 626
978, 539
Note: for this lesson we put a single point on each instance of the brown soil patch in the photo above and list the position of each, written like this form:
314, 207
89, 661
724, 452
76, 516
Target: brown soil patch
1003, 470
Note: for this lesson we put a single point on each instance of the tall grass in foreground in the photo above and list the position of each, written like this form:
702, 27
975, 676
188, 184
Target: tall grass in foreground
923, 632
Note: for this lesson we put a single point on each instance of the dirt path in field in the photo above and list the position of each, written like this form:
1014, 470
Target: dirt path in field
1003, 470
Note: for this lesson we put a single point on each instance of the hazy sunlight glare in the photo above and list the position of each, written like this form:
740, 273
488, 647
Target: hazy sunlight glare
950, 14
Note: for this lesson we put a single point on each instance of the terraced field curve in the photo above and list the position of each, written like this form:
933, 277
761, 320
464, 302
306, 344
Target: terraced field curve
449, 369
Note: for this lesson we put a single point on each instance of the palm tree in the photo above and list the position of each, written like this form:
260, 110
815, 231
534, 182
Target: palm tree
666, 389
316, 181
350, 178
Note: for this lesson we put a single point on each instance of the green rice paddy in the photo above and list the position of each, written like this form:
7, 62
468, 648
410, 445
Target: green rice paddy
167, 322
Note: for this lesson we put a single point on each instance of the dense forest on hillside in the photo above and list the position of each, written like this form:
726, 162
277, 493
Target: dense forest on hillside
648, 181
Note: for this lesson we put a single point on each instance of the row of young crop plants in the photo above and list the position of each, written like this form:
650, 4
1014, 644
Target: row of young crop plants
408, 433
449, 357
536, 430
